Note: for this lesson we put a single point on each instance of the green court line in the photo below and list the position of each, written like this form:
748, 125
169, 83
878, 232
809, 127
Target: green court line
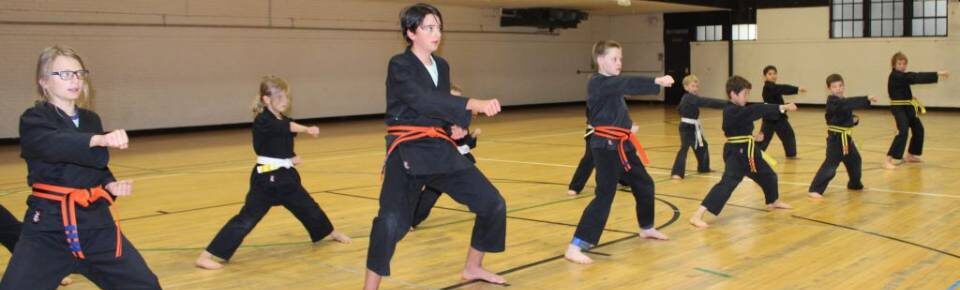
721, 274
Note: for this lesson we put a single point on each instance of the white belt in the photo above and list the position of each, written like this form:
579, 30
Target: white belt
698, 132
589, 131
268, 164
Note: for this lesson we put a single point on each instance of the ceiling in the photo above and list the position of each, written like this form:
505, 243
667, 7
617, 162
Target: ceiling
603, 7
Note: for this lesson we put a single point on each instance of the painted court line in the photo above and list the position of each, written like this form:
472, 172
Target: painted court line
716, 177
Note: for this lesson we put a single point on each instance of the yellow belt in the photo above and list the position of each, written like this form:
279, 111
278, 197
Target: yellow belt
844, 135
748, 139
264, 168
917, 106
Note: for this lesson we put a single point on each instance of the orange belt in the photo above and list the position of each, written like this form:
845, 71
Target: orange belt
622, 135
410, 133
69, 198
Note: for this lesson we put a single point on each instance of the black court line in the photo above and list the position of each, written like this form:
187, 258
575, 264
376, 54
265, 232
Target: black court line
470, 219
728, 204
878, 235
565, 224
676, 216
163, 212
836, 225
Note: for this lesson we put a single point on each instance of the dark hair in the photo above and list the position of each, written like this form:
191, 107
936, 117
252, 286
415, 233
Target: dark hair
736, 84
769, 68
411, 18
834, 78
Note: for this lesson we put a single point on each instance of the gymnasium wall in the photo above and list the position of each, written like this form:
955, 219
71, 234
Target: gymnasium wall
709, 62
796, 40
181, 63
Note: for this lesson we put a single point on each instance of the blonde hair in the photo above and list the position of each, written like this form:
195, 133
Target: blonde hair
690, 79
600, 48
44, 63
268, 85
897, 57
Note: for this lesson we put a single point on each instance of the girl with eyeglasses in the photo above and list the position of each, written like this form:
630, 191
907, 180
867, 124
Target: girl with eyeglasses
70, 223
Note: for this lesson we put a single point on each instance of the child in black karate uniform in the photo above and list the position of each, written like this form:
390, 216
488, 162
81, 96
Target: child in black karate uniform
430, 195
741, 156
273, 180
585, 166
906, 110
616, 152
71, 226
840, 146
691, 130
423, 121
773, 94
10, 229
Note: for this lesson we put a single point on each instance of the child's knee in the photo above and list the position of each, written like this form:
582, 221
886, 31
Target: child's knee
392, 225
495, 207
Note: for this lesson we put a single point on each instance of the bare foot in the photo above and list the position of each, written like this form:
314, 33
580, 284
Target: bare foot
677, 177
912, 158
779, 205
697, 218
888, 163
698, 222
815, 196
341, 238
205, 261
653, 234
576, 255
479, 273
66, 281
572, 192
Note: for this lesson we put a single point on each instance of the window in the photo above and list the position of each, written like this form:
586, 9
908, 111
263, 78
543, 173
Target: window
888, 18
846, 18
710, 33
929, 18
744, 31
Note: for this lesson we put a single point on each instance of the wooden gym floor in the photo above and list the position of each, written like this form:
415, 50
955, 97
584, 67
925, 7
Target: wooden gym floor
903, 231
